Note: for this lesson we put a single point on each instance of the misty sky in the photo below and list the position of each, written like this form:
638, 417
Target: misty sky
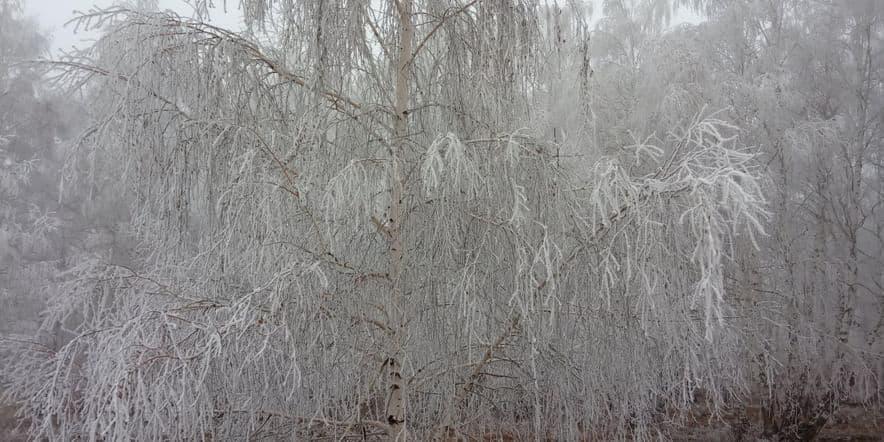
53, 14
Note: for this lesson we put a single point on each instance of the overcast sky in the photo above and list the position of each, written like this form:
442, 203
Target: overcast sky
53, 14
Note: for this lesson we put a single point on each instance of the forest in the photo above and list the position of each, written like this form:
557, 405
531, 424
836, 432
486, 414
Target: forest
444, 220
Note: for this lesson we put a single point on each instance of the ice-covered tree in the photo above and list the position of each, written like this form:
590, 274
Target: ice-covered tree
388, 219
31, 125
802, 79
31, 249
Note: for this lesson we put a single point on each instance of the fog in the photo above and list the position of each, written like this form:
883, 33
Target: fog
441, 220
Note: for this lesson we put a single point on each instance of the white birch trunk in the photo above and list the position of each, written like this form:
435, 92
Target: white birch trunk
395, 410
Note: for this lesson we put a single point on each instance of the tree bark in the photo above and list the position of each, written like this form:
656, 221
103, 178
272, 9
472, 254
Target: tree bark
395, 410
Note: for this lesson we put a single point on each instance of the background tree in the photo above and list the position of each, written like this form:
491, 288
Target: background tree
35, 119
22, 144
34, 239
802, 79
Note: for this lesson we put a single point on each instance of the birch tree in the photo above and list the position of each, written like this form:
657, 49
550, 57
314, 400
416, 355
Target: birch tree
386, 220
